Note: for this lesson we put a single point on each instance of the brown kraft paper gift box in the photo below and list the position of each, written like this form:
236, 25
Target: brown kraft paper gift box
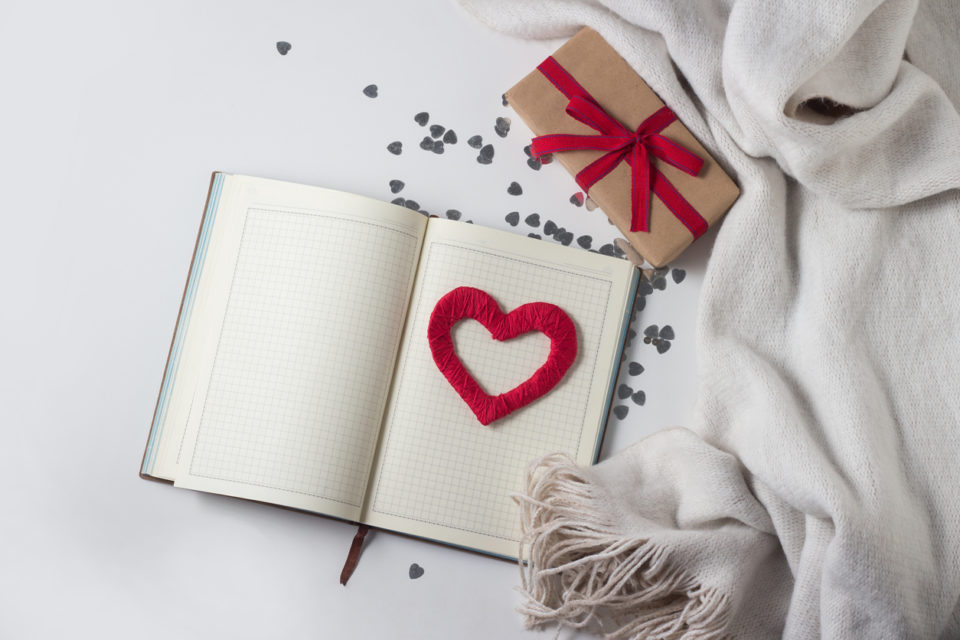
618, 89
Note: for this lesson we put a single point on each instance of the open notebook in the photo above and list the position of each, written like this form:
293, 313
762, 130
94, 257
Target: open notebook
300, 373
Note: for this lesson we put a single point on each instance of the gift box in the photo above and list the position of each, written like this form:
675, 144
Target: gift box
594, 114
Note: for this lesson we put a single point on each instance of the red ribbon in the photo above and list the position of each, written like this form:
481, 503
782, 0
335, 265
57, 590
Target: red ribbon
638, 148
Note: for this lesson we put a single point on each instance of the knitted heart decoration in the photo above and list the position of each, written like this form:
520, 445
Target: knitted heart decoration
467, 302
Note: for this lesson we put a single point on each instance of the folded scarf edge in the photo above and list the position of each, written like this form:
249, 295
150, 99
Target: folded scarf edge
578, 571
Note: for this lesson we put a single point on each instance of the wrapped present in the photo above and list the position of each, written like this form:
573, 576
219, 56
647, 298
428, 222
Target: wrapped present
628, 151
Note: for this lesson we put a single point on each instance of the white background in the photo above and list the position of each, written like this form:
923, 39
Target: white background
112, 117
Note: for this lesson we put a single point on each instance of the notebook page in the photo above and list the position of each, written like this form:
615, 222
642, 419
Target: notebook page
298, 349
440, 473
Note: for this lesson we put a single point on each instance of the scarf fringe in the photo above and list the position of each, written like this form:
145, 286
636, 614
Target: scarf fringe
577, 571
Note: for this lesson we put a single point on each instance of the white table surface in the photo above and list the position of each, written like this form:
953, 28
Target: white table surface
112, 116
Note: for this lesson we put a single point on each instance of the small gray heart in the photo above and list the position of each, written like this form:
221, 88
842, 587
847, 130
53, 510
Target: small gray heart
370, 91
621, 411
415, 571
513, 218
396, 148
283, 47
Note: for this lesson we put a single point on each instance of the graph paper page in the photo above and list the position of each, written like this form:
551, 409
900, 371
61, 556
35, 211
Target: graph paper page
440, 473
298, 368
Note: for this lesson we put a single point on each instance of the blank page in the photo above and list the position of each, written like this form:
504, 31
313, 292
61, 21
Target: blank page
301, 349
440, 473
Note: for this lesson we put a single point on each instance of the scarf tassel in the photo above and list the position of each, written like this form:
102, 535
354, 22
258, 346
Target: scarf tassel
577, 571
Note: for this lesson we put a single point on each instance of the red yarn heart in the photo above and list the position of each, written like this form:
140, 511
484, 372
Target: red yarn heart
467, 302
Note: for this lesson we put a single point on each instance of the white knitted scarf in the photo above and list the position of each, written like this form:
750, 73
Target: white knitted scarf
817, 494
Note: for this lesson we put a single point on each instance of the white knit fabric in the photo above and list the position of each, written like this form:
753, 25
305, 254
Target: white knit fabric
818, 492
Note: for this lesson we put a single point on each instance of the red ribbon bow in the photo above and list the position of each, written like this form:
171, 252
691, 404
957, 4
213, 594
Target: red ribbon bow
636, 147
